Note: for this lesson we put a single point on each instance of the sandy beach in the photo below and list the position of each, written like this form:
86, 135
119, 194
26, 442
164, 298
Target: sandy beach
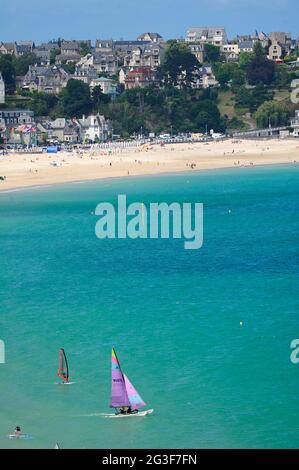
23, 170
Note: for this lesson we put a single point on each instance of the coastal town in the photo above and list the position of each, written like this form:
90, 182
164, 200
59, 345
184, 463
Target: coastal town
37, 87
149, 194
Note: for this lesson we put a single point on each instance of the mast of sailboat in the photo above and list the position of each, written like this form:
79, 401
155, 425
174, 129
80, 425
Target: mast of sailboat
123, 392
119, 396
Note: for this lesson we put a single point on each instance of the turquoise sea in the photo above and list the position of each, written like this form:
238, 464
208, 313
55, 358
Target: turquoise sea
173, 315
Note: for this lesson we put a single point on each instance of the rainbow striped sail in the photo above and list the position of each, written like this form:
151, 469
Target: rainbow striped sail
122, 391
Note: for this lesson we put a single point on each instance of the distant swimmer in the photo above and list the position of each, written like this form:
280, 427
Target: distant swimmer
18, 432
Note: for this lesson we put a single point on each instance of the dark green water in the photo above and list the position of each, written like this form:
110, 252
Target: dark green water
173, 314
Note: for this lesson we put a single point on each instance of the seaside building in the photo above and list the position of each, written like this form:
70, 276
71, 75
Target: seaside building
146, 55
231, 51
60, 130
13, 117
2, 90
24, 47
69, 52
295, 124
123, 48
246, 46
152, 37
108, 86
57, 128
104, 46
139, 77
94, 128
199, 51
70, 48
122, 75
43, 55
101, 62
85, 72
47, 79
7, 48
207, 35
283, 38
275, 51
19, 126
206, 78
262, 37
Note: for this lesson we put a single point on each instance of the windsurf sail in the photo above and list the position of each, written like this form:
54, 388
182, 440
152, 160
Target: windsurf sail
122, 391
63, 368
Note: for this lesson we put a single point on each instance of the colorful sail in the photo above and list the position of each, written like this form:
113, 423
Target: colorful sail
135, 399
119, 396
63, 368
123, 392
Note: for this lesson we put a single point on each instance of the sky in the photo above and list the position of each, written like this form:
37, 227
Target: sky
42, 20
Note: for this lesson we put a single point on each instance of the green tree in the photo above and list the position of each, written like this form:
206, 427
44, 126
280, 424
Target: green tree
84, 48
8, 73
208, 116
244, 59
253, 98
22, 63
212, 53
283, 77
98, 97
258, 50
224, 72
260, 69
43, 103
238, 78
53, 54
274, 113
179, 66
70, 67
75, 99
159, 109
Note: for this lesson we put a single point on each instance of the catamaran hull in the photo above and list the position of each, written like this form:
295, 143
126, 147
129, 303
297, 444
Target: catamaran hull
140, 414
64, 383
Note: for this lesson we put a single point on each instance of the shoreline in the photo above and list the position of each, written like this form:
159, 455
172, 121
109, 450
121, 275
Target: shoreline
146, 175
44, 170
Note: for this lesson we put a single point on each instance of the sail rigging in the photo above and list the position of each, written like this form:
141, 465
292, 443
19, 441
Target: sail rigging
122, 391
63, 368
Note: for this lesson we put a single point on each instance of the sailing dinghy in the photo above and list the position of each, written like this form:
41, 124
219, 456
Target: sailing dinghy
124, 397
63, 368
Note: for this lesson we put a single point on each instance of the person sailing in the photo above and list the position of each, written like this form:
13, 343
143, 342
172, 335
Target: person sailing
127, 410
65, 377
